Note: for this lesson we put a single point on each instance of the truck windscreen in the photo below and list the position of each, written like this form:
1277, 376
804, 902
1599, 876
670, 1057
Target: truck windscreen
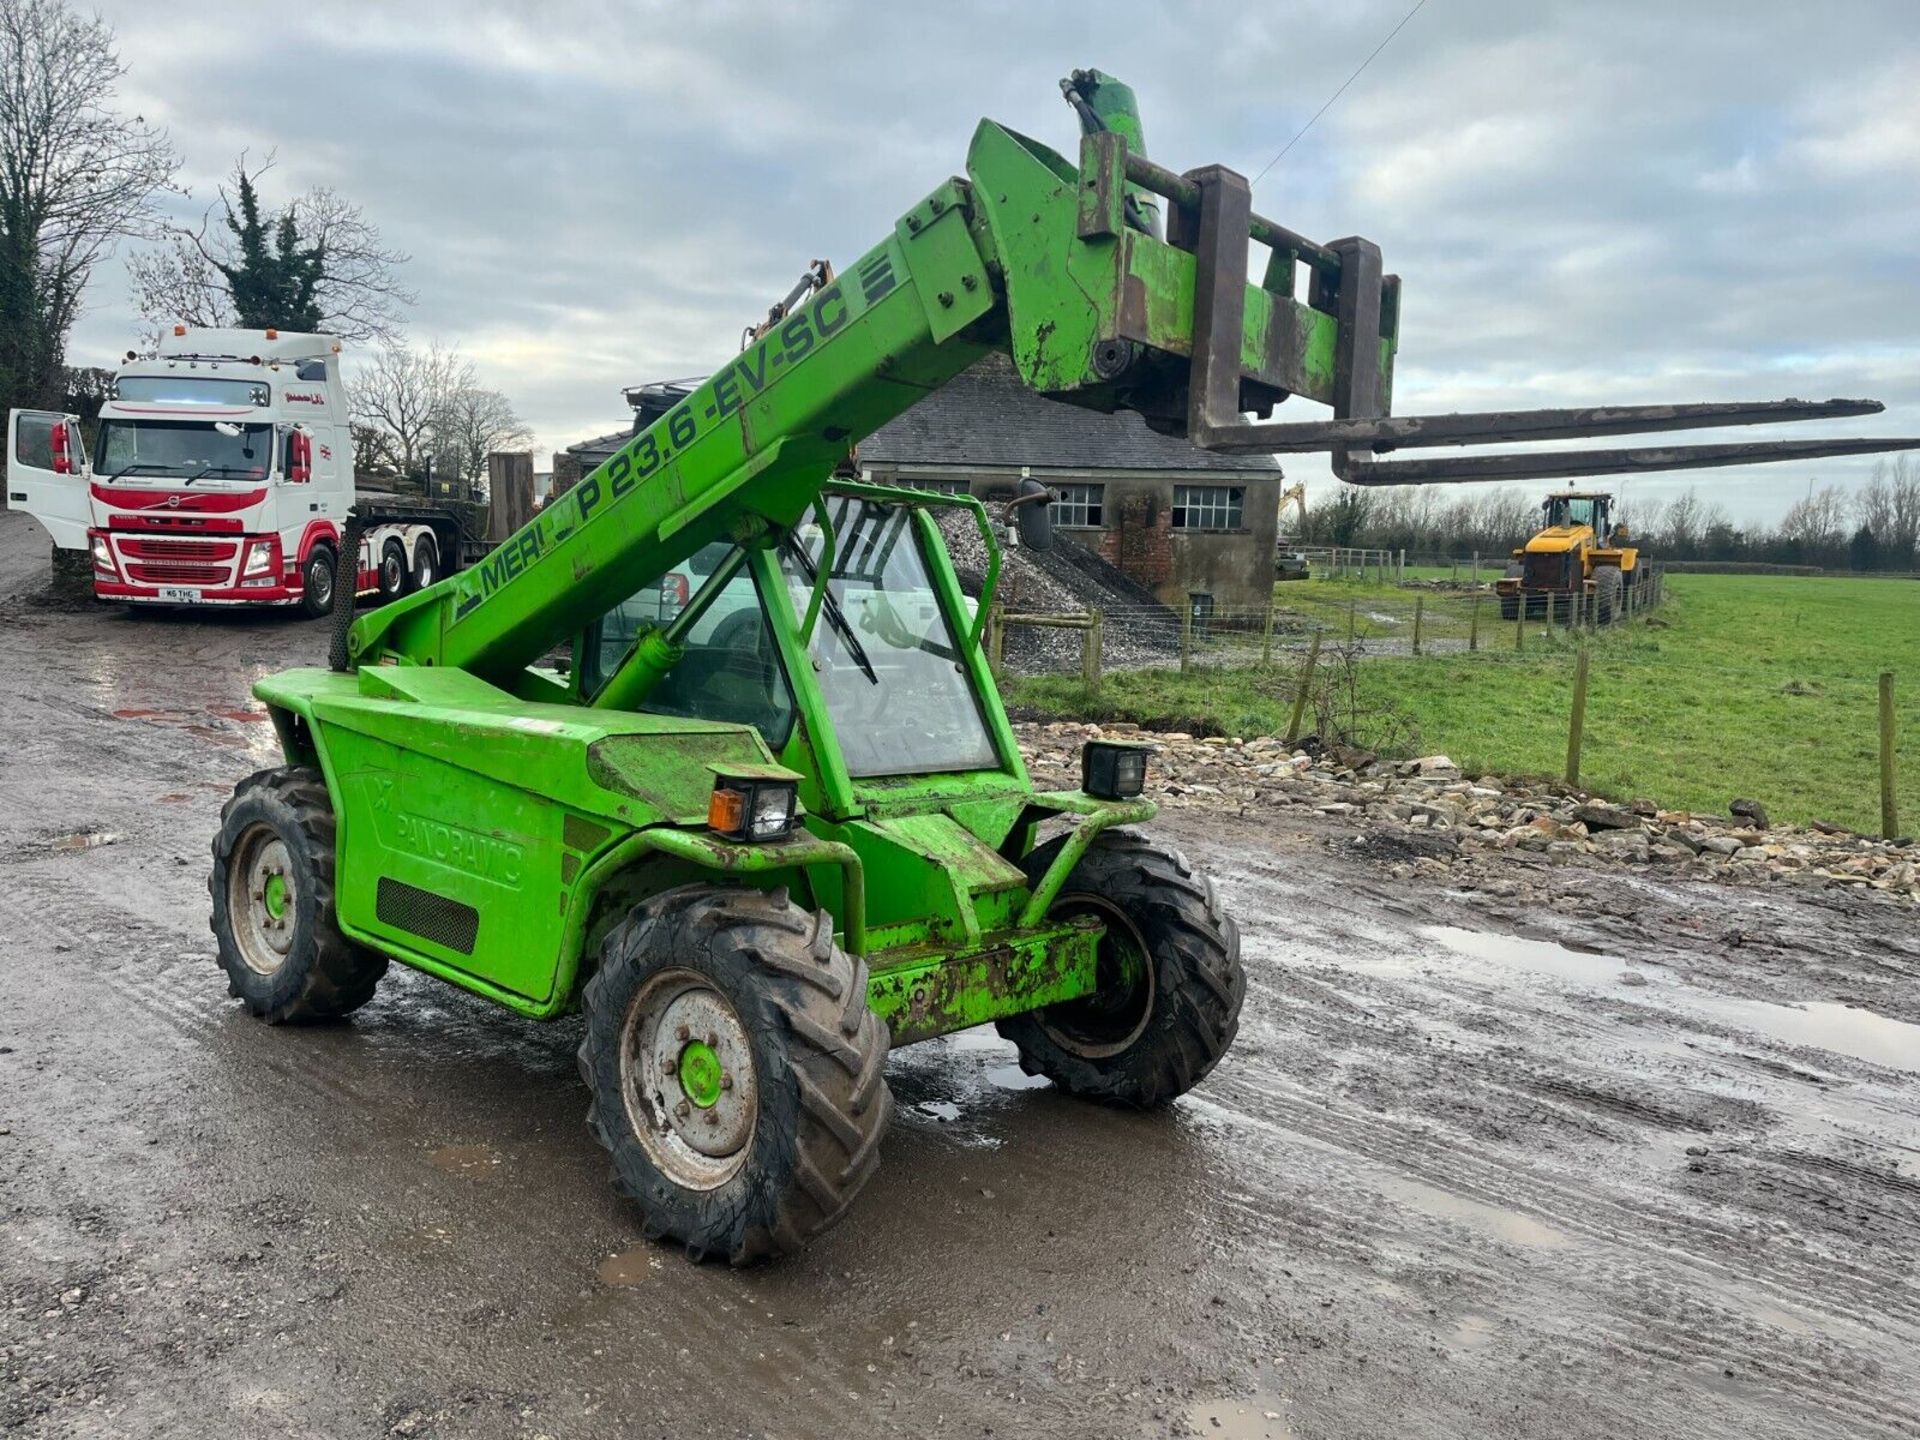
183, 450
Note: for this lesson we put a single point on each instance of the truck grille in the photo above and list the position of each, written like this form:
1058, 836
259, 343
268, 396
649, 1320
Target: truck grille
167, 561
176, 549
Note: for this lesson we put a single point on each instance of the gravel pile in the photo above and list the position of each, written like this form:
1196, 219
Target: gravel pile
1440, 816
1068, 579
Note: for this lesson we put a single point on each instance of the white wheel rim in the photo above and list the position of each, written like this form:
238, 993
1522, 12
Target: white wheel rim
688, 1080
261, 899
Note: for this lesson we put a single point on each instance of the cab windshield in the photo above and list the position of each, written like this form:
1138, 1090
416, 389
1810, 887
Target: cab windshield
1568, 510
885, 657
183, 450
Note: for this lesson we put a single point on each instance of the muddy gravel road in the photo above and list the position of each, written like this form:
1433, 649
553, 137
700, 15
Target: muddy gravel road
1562, 1152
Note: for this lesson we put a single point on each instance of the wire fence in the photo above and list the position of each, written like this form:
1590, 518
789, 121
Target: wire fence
1417, 619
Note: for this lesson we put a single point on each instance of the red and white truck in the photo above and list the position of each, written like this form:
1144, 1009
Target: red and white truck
221, 473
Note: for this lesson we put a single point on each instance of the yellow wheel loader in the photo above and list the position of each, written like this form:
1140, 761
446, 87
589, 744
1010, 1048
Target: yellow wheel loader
1579, 552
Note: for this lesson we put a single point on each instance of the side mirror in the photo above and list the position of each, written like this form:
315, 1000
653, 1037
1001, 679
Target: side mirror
1034, 515
299, 456
60, 442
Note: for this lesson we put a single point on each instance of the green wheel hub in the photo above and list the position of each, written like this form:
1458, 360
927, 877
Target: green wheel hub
274, 896
700, 1074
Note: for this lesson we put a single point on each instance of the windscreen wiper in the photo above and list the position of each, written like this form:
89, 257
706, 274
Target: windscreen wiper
837, 618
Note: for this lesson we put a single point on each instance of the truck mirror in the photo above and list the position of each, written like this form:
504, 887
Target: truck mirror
1033, 510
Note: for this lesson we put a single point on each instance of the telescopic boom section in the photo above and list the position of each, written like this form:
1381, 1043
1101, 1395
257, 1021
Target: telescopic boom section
1055, 264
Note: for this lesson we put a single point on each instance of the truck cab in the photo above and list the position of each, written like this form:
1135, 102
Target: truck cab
220, 473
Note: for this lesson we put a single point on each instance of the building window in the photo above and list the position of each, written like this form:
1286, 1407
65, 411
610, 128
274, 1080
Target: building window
937, 487
1080, 505
1208, 507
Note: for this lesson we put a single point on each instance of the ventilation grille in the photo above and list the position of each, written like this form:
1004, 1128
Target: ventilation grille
445, 922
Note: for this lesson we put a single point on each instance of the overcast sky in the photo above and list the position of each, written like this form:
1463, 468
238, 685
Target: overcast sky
1613, 201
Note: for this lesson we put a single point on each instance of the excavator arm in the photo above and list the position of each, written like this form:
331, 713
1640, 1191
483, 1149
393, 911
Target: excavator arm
1054, 263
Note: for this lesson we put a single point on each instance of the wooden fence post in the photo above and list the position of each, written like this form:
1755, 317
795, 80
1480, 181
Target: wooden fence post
1351, 606
1306, 686
996, 641
1520, 623
1186, 636
1889, 811
1577, 723
1553, 611
1473, 626
1476, 567
1266, 638
1090, 653
1419, 609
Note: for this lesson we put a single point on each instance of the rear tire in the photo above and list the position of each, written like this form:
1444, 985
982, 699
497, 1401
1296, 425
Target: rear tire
426, 562
273, 909
316, 583
395, 571
738, 1077
1171, 981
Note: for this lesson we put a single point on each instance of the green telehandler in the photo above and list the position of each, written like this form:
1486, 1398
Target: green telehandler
763, 830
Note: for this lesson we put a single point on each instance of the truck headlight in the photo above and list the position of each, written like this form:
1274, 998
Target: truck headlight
103, 555
754, 802
262, 558
1114, 769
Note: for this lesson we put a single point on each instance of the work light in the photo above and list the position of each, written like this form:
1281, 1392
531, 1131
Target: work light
753, 803
1114, 769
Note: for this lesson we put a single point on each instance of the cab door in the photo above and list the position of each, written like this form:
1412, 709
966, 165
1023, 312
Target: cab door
47, 474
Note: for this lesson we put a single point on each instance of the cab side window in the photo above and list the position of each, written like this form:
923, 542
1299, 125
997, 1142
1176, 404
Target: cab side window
33, 442
730, 671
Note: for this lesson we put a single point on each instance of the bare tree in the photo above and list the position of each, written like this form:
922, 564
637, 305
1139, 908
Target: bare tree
192, 278
1889, 505
75, 177
404, 395
475, 423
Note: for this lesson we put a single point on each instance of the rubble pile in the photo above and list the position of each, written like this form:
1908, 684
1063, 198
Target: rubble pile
1451, 816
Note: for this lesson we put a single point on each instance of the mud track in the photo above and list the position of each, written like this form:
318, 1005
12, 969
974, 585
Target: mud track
1554, 1152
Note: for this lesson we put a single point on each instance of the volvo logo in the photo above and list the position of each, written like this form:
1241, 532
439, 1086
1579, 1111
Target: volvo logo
173, 502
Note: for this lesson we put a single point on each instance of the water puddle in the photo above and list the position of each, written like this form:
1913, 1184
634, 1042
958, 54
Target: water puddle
1521, 953
1252, 1417
1012, 1077
630, 1267
1503, 1224
1820, 1024
472, 1161
1824, 1025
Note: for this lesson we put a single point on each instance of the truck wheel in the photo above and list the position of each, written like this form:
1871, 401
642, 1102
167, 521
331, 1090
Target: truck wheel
394, 569
1606, 594
1170, 978
737, 1074
316, 583
426, 562
272, 886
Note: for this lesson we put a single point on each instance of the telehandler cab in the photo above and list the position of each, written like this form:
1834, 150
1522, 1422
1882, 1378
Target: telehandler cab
762, 831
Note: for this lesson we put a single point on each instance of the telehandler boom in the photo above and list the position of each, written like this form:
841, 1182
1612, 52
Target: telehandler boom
763, 829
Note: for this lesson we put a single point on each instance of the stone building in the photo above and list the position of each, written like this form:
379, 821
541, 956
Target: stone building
1187, 524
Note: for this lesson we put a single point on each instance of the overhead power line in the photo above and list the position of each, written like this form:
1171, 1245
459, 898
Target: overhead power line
1418, 7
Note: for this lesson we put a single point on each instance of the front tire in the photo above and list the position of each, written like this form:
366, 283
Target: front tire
1606, 594
273, 909
316, 583
737, 1074
1171, 983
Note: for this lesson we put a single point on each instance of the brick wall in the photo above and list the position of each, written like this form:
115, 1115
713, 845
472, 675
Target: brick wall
1138, 540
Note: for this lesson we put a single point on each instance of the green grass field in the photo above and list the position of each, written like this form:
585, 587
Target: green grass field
1745, 685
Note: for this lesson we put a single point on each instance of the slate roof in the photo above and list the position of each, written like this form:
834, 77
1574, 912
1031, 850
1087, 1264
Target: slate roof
985, 416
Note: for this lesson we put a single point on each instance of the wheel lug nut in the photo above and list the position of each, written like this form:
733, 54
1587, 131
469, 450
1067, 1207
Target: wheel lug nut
726, 1082
713, 1041
682, 1034
683, 1109
713, 1117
